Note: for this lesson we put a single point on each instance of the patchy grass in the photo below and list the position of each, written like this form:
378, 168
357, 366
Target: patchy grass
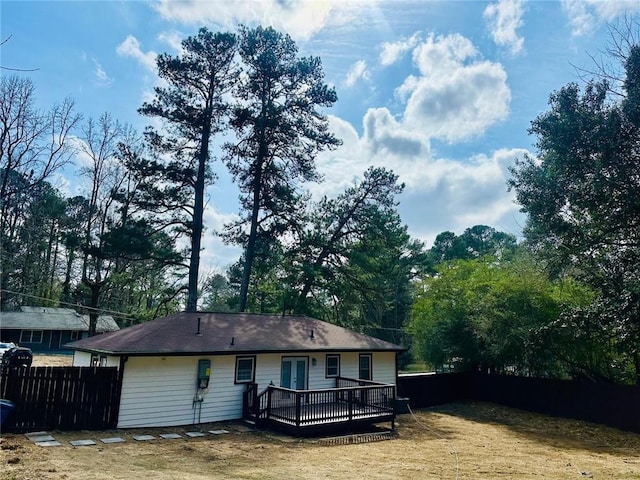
46, 360
461, 440
416, 367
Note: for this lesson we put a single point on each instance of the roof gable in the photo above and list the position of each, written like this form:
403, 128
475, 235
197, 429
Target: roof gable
230, 333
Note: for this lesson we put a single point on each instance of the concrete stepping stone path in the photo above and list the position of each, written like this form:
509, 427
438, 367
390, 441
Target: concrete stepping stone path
45, 439
42, 439
112, 440
52, 443
82, 443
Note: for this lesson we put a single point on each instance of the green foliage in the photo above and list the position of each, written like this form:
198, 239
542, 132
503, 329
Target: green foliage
279, 131
488, 314
582, 197
193, 109
474, 242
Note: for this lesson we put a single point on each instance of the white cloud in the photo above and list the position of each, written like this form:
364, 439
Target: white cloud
585, 15
456, 97
393, 51
357, 71
216, 255
452, 95
503, 19
130, 47
173, 39
581, 20
102, 79
453, 194
300, 18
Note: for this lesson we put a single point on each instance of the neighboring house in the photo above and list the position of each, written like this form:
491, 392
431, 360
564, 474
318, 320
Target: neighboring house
200, 367
47, 329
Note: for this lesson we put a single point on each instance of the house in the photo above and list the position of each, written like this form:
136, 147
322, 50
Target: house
47, 329
284, 371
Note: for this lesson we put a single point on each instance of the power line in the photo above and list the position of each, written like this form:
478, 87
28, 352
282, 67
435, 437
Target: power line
75, 305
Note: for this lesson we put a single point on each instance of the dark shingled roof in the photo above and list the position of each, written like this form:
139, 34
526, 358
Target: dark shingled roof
228, 333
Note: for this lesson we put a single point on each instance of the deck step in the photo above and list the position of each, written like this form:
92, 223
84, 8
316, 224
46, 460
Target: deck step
358, 438
249, 422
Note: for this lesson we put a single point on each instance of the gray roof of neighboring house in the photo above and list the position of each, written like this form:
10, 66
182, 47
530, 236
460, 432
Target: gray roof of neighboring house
50, 318
228, 333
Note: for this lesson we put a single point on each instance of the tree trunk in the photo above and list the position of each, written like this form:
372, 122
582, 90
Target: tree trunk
93, 312
250, 251
198, 212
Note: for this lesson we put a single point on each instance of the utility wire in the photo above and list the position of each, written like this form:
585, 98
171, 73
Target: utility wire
452, 446
76, 305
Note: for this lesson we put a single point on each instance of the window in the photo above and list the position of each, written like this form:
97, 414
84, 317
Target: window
75, 335
31, 336
245, 369
98, 360
365, 367
332, 366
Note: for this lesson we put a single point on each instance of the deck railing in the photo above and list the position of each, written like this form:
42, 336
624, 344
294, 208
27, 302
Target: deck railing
351, 400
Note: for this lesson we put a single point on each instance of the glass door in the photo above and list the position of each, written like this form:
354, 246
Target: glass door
294, 373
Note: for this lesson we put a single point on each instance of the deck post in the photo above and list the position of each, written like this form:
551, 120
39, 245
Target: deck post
298, 396
350, 400
254, 399
269, 392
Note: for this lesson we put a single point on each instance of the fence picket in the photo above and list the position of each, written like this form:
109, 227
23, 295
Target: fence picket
60, 398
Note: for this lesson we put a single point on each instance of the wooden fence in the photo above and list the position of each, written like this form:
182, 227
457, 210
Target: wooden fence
613, 405
60, 398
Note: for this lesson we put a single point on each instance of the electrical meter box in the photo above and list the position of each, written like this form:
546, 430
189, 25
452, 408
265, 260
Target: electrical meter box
204, 372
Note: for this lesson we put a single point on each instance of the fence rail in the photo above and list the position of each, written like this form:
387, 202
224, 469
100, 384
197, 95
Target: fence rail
62, 398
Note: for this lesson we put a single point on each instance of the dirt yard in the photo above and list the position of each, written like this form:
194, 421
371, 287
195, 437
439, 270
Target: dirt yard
40, 360
456, 441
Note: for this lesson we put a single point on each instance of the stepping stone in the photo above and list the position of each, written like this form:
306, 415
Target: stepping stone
112, 440
143, 438
218, 432
194, 434
82, 443
35, 434
42, 438
170, 436
52, 443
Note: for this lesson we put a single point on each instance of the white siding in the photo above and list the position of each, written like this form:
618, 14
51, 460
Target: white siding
159, 391
383, 366
83, 359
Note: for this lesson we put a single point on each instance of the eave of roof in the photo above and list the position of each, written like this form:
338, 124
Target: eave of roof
230, 333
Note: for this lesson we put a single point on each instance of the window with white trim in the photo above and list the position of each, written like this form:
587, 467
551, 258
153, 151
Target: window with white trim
31, 336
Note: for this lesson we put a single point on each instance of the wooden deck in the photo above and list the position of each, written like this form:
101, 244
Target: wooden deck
351, 405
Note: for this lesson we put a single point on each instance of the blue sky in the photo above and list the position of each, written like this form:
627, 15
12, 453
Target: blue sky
442, 92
